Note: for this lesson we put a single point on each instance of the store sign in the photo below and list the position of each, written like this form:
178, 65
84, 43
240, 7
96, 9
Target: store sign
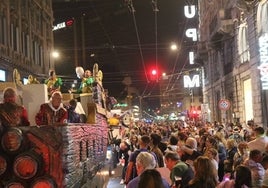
190, 83
63, 25
263, 44
190, 12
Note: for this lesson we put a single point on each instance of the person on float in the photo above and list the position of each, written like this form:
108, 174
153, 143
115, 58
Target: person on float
73, 116
87, 80
52, 112
13, 114
53, 83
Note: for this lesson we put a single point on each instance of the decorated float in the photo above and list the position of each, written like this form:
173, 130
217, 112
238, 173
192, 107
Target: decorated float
69, 155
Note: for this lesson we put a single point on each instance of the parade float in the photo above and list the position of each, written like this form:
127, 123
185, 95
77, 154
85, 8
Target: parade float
69, 155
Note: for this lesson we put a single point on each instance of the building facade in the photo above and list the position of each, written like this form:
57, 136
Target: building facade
230, 50
26, 38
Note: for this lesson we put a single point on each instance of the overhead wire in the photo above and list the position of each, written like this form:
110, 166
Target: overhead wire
132, 10
105, 32
156, 10
171, 83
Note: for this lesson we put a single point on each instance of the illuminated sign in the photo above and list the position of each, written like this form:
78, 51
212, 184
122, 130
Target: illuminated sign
190, 12
190, 83
62, 25
263, 44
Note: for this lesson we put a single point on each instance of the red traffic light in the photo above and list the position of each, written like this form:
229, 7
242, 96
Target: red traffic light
154, 72
153, 75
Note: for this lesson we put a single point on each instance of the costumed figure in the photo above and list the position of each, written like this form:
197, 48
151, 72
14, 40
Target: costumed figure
11, 113
86, 82
97, 74
53, 82
32, 80
53, 112
17, 77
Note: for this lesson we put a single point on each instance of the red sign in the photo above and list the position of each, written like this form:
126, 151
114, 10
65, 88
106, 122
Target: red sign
224, 104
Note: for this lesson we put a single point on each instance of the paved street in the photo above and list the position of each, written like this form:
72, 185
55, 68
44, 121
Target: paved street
114, 180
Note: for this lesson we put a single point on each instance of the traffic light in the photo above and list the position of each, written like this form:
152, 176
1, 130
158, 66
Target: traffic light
153, 74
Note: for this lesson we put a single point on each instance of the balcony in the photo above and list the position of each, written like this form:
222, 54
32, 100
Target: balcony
221, 26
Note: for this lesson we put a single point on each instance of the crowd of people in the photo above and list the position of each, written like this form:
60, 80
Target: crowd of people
194, 155
171, 154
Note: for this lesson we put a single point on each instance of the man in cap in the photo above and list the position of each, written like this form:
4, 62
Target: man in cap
180, 172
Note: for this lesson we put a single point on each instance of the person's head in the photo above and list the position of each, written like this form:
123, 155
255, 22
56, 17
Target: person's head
211, 142
52, 74
155, 139
10, 95
205, 171
191, 142
212, 153
150, 178
171, 158
123, 145
88, 73
144, 161
73, 103
259, 131
242, 147
231, 143
265, 162
182, 136
144, 141
242, 176
255, 155
133, 139
56, 99
173, 140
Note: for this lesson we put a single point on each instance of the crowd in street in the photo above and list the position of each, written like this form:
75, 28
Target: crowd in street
194, 155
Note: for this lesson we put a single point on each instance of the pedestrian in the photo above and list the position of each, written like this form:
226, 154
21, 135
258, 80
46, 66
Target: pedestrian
151, 178
256, 168
145, 161
180, 172
242, 179
155, 140
123, 158
205, 175
131, 172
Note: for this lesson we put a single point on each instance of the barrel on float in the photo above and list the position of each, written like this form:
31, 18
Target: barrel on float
43, 182
3, 165
15, 184
28, 165
13, 141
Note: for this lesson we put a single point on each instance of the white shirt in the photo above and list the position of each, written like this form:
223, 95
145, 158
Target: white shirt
259, 143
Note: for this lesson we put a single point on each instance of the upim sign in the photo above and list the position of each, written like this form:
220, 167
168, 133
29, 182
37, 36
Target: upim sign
190, 12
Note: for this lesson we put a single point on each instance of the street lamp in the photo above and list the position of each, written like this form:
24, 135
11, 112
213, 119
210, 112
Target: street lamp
55, 54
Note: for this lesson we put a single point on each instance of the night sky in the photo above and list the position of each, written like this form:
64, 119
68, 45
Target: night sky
124, 44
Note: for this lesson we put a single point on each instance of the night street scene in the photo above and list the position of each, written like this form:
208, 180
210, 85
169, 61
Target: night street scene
133, 94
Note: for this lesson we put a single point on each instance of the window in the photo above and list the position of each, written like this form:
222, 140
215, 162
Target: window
2, 75
3, 33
